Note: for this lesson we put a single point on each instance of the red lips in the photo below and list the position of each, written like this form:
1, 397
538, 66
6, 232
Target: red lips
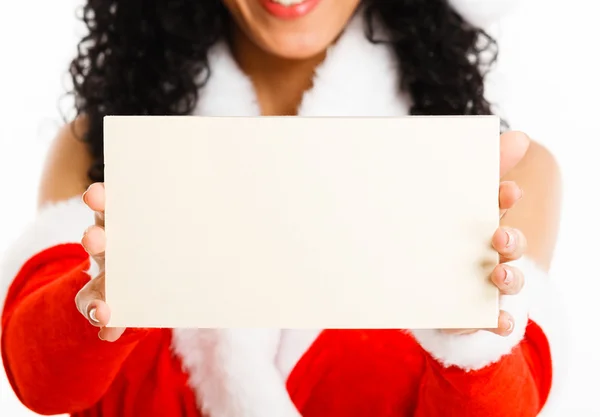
293, 11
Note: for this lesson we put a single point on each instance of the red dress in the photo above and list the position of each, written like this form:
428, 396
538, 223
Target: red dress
56, 363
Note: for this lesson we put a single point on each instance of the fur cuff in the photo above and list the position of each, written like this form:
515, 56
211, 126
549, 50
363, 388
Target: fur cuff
480, 349
55, 224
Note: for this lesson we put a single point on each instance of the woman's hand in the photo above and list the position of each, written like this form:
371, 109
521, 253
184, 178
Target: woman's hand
508, 242
90, 299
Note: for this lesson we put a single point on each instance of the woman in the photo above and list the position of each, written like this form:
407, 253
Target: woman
275, 57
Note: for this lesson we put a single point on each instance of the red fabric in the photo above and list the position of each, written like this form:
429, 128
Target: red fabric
56, 364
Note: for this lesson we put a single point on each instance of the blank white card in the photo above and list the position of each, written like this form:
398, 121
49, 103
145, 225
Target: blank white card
294, 222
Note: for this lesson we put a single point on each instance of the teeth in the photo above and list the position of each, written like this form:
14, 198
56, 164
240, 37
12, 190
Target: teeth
288, 2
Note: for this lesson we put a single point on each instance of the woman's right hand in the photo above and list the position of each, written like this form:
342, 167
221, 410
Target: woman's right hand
90, 300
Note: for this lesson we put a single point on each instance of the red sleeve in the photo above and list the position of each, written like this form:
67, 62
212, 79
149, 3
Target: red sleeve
53, 357
517, 385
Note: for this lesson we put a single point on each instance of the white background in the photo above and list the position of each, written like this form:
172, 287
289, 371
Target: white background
547, 82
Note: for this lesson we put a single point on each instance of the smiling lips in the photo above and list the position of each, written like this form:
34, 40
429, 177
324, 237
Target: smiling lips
289, 9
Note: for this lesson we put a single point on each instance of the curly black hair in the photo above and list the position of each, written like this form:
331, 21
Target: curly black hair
149, 57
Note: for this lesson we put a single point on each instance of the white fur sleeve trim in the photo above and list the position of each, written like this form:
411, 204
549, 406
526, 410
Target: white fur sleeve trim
54, 224
483, 13
475, 351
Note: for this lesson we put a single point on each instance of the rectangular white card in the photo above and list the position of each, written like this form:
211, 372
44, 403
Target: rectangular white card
293, 222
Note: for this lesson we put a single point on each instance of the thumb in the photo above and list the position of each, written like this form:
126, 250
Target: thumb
513, 146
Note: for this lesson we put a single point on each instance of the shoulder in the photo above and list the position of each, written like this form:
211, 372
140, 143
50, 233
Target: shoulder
537, 215
65, 170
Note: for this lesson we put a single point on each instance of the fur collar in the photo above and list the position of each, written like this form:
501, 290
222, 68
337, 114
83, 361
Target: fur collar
357, 78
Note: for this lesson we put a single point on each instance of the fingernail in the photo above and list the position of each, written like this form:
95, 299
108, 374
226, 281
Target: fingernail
511, 325
510, 238
508, 276
521, 194
93, 315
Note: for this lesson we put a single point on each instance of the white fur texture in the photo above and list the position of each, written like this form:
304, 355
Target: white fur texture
62, 222
233, 371
294, 344
357, 78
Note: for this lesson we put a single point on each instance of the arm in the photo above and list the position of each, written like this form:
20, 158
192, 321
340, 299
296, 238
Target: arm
53, 357
485, 373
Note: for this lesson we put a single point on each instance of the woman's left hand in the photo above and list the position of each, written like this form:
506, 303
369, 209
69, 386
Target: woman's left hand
508, 242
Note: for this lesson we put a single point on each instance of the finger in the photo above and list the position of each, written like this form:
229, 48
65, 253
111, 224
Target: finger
506, 324
111, 334
94, 198
94, 241
98, 313
90, 303
510, 243
508, 195
509, 280
513, 146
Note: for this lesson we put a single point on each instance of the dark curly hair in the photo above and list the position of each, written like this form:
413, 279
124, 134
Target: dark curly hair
149, 57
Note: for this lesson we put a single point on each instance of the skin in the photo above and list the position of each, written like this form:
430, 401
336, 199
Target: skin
280, 58
296, 39
280, 55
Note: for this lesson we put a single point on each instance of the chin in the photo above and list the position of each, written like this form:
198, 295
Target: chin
292, 29
297, 45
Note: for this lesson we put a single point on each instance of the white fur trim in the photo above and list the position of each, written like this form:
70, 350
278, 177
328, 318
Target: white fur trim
294, 344
370, 89
228, 91
62, 222
233, 371
475, 351
482, 13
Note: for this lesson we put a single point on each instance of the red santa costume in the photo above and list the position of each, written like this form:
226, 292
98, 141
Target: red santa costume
56, 363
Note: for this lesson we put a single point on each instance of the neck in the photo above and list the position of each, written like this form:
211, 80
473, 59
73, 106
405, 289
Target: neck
279, 83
